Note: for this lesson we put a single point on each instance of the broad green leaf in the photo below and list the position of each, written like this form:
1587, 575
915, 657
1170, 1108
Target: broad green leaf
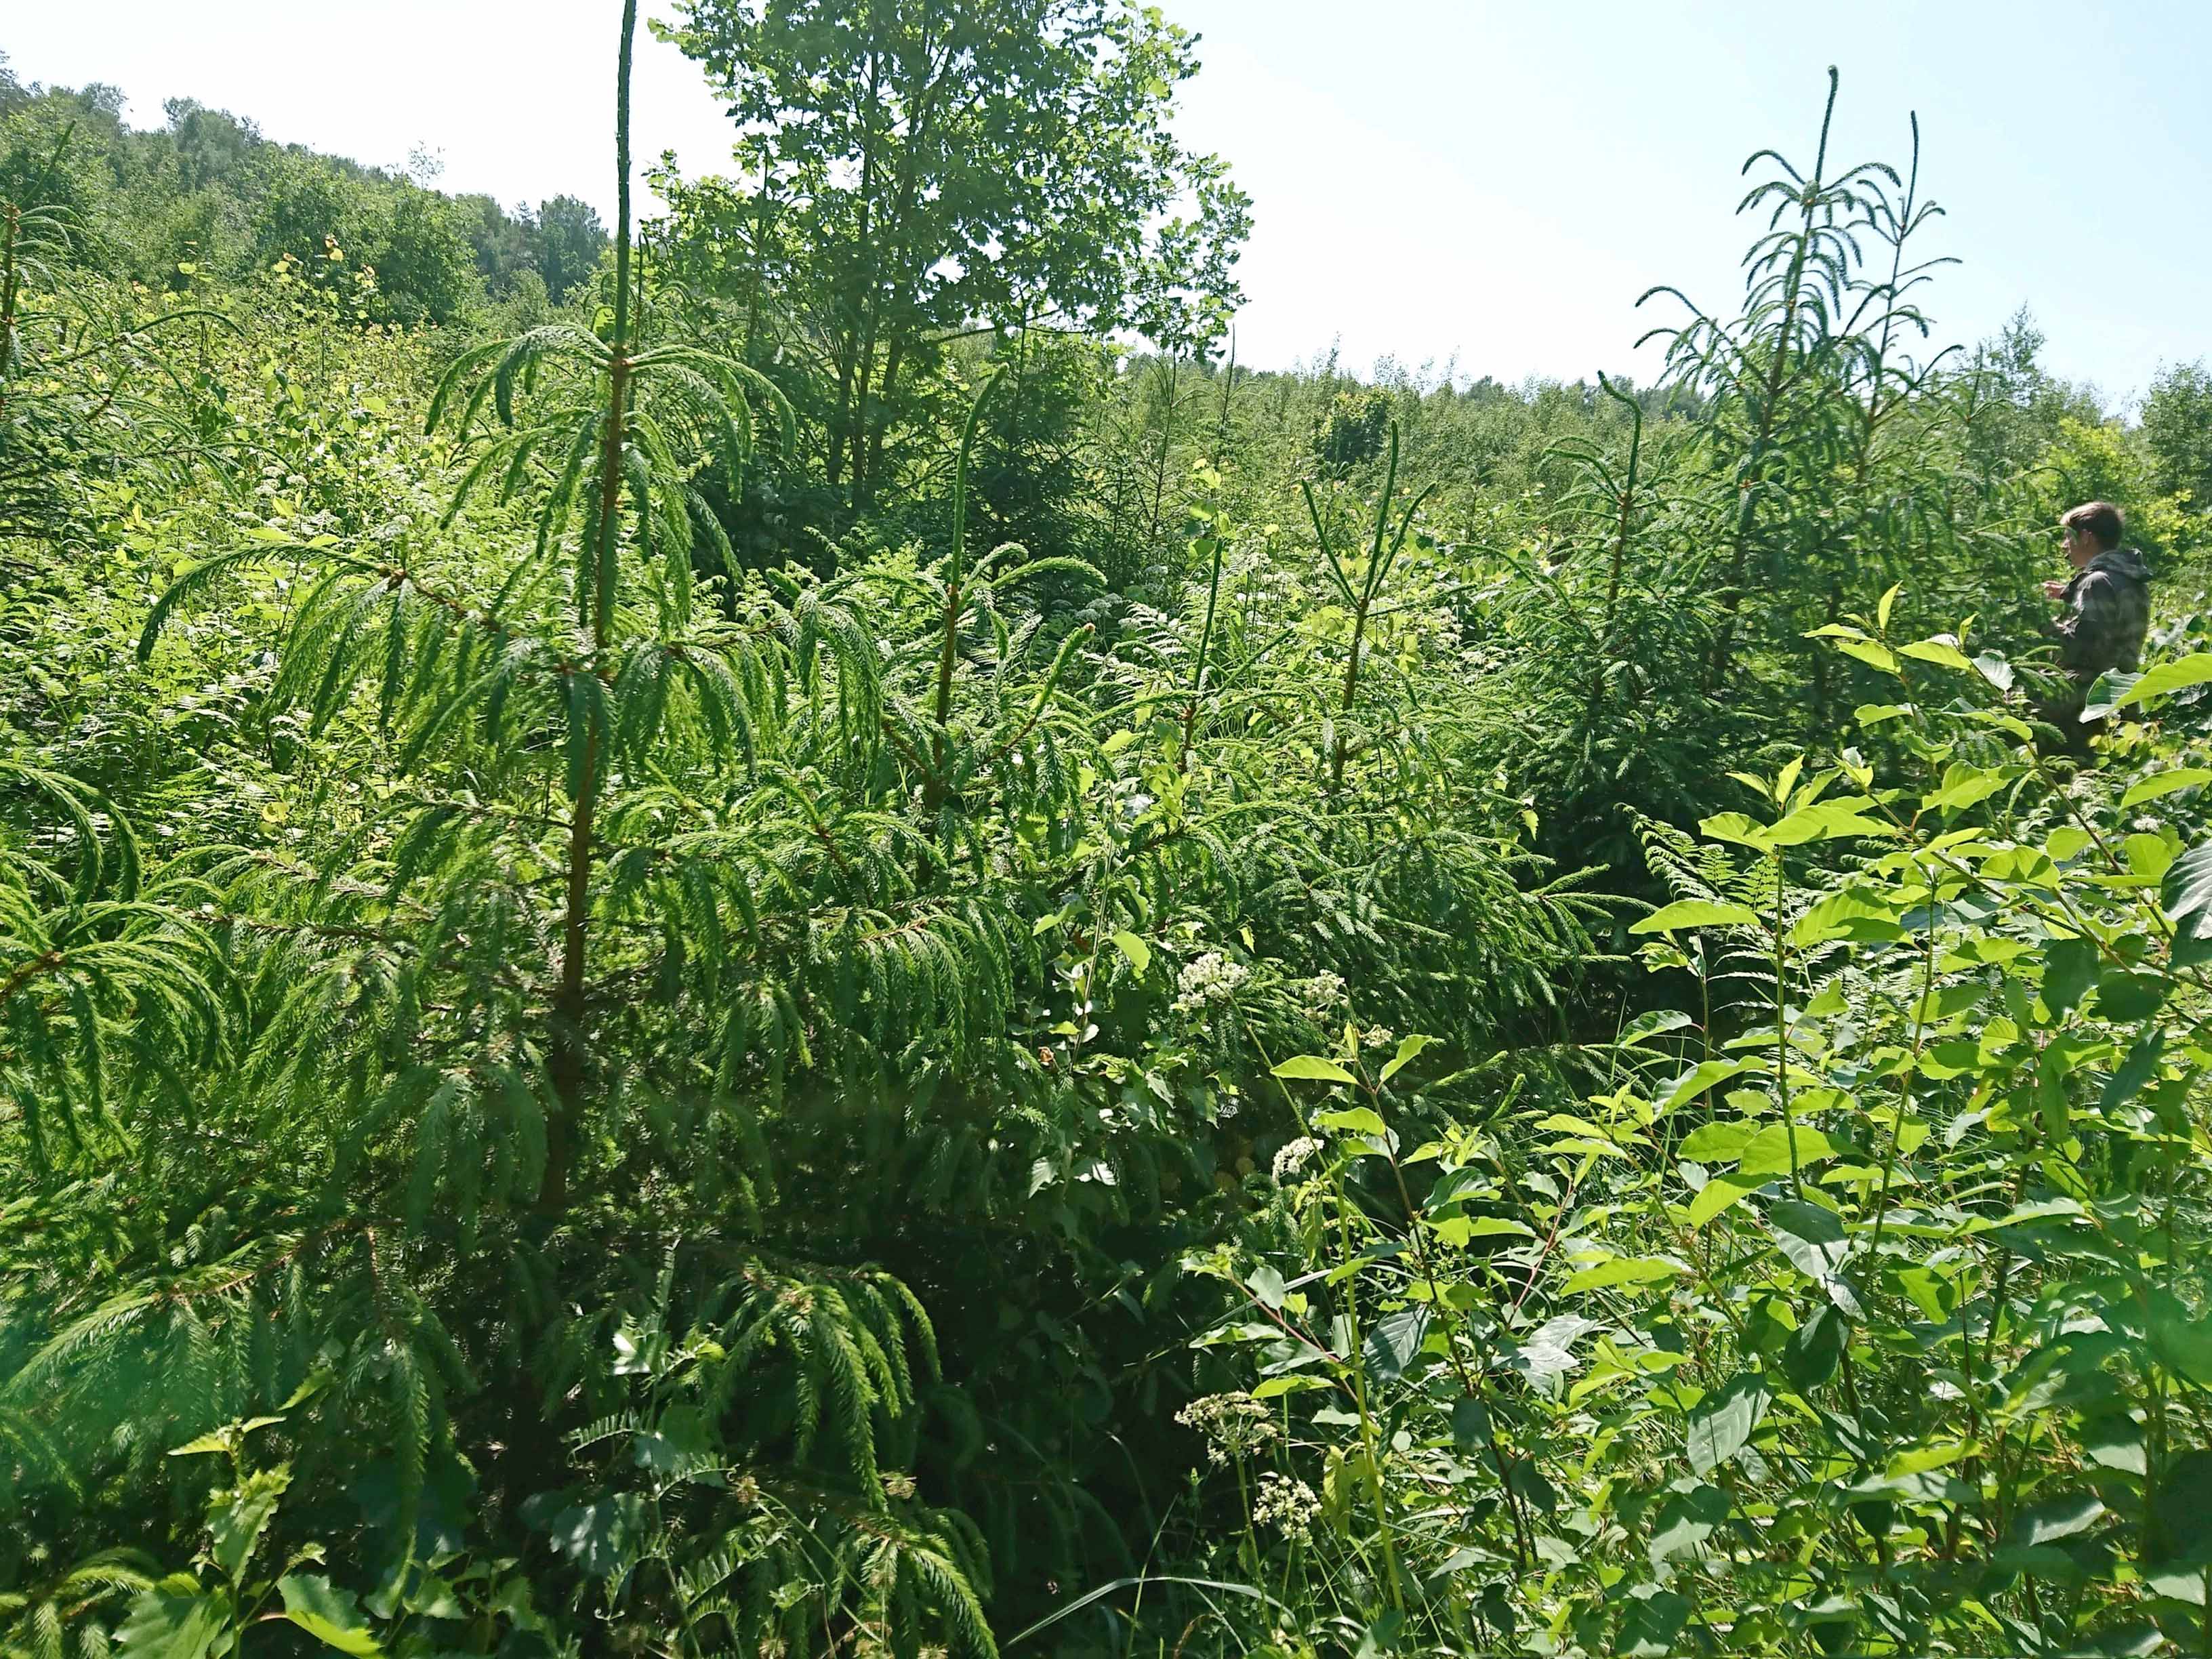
1696, 913
1850, 912
1874, 656
237, 1518
2069, 969
1684, 1521
1697, 1080
1736, 827
1621, 1270
1393, 1341
1929, 1486
1723, 1423
1721, 1193
1768, 1151
2115, 1441
1933, 1294
2056, 1518
2066, 841
1470, 1420
1139, 953
2183, 1510
172, 1620
1354, 1121
1785, 781
1921, 1458
2186, 894
2109, 695
1547, 1350
1313, 1068
1943, 651
2165, 783
330, 1615
2168, 678
1565, 1123
2140, 1067
221, 1441
1810, 1235
1813, 1351
227, 1438
2180, 1339
2148, 856
1457, 1231
601, 1538
1964, 786
1652, 1620
1409, 1046
1826, 820
1644, 1027
1717, 1142
2127, 997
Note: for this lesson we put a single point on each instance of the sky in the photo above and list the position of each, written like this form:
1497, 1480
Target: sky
1459, 184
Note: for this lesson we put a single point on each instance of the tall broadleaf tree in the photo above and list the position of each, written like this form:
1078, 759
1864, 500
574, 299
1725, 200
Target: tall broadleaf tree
910, 172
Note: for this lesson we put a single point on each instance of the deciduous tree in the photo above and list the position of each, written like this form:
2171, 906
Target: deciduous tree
910, 170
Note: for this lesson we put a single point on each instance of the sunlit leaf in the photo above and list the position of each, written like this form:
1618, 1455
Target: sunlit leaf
1621, 1270
1696, 913
329, 1615
1313, 1068
1139, 953
2177, 674
1409, 1047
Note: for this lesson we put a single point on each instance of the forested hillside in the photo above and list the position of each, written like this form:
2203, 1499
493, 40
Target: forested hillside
788, 930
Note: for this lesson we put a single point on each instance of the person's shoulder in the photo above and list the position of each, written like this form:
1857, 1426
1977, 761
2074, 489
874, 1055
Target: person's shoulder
2121, 564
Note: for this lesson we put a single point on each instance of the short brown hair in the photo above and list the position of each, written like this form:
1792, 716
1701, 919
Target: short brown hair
2100, 519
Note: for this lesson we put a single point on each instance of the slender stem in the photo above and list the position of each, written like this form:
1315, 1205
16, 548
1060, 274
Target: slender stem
1368, 1438
1619, 546
955, 570
11, 219
1205, 648
1468, 1385
1889, 310
1167, 439
1904, 1081
566, 1063
1782, 1032
1228, 387
1362, 603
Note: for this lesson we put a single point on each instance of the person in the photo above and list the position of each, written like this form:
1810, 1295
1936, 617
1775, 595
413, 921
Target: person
2107, 612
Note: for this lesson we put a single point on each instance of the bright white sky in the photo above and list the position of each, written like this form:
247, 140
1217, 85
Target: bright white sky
1486, 180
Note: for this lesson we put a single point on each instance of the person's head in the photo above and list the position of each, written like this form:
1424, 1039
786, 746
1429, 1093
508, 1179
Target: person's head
2092, 528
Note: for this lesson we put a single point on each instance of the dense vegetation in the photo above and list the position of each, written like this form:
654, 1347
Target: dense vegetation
796, 932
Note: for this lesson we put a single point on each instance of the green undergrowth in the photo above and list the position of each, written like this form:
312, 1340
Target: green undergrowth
1252, 1015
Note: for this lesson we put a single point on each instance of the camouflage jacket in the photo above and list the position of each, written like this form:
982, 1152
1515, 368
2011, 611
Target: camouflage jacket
2107, 614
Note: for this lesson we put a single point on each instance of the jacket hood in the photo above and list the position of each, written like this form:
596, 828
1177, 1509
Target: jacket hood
2122, 561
